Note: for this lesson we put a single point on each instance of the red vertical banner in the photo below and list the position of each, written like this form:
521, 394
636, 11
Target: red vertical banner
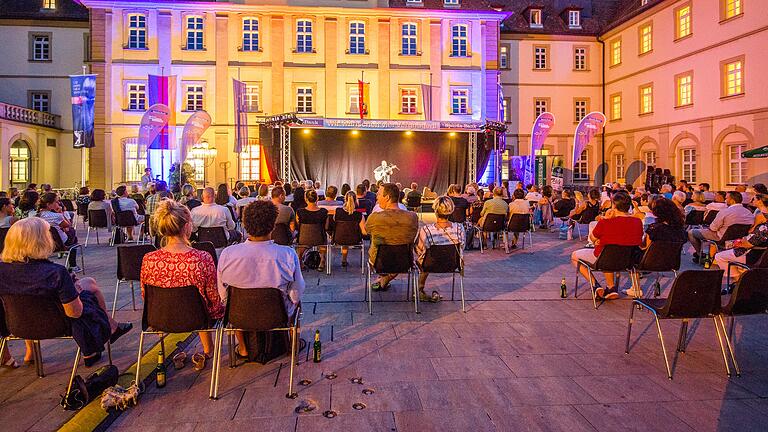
362, 104
162, 90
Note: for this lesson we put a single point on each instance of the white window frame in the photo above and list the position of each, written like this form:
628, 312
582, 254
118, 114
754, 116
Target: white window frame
40, 101
304, 100
649, 157
579, 109
732, 8
357, 37
619, 165
194, 32
136, 96
616, 114
353, 99
535, 18
540, 106
408, 101
616, 52
409, 43
688, 164
580, 58
581, 167
646, 95
504, 57
41, 47
49, 4
739, 175
134, 159
194, 97
540, 58
252, 97
304, 35
684, 90
460, 102
460, 40
645, 37
733, 77
250, 161
250, 38
683, 21
137, 31
451, 3
574, 19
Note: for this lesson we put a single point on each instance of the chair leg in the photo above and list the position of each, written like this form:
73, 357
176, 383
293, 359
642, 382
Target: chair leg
481, 234
682, 338
133, 296
38, 354
453, 284
592, 287
72, 375
369, 291
362, 258
629, 325
663, 348
506, 243
97, 236
413, 276
722, 348
87, 235
461, 288
219, 335
729, 344
328, 255
294, 343
114, 302
576, 282
138, 362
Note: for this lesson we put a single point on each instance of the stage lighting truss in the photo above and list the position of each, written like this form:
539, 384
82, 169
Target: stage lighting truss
494, 126
280, 120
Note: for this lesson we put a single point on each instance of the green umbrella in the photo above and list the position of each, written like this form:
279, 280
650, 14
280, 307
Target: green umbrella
761, 152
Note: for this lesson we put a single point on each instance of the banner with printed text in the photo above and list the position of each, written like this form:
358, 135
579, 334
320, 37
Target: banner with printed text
241, 115
194, 129
83, 89
161, 89
541, 128
588, 127
152, 123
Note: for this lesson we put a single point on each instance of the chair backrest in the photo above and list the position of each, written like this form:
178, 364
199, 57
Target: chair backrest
494, 222
129, 259
3, 329
68, 205
475, 216
413, 200
207, 246
125, 218
661, 256
442, 259
459, 215
615, 258
3, 233
751, 294
694, 294
312, 234
215, 235
162, 307
393, 259
82, 209
710, 217
761, 263
35, 317
97, 219
695, 217
142, 206
589, 214
255, 309
57, 241
519, 223
735, 231
281, 234
347, 233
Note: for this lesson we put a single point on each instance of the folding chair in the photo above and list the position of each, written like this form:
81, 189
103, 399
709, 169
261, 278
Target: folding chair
444, 259
694, 294
393, 259
761, 263
281, 234
207, 247
36, 318
69, 207
750, 297
126, 219
612, 259
3, 234
97, 219
709, 217
215, 235
312, 236
129, 259
257, 310
694, 218
494, 224
161, 316
660, 257
733, 232
346, 234
66, 251
82, 211
521, 223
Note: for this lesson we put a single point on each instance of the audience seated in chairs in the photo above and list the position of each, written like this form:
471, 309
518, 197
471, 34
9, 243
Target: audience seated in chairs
244, 200
390, 226
545, 206
698, 203
364, 205
347, 213
588, 210
495, 205
329, 201
563, 206
518, 206
260, 263
413, 197
743, 251
734, 214
178, 264
7, 213
127, 204
51, 211
26, 270
461, 207
97, 203
616, 228
27, 205
189, 197
315, 216
212, 215
442, 232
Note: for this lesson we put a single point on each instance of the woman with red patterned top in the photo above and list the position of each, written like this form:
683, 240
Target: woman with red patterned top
177, 264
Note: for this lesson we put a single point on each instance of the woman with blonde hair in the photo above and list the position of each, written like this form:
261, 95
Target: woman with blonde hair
347, 213
26, 270
178, 265
442, 232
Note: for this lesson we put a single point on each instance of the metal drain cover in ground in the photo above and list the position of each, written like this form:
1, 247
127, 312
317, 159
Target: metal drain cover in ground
358, 406
368, 391
305, 382
330, 414
331, 376
356, 380
306, 406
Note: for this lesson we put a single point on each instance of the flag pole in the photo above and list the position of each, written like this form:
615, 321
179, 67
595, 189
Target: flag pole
82, 155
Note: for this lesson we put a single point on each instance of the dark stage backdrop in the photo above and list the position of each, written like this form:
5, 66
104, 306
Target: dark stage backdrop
333, 156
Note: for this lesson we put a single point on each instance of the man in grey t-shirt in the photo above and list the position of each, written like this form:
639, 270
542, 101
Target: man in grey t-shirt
285, 214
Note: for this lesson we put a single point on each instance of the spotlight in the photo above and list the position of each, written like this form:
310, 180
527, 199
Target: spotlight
355, 132
305, 131
452, 134
408, 133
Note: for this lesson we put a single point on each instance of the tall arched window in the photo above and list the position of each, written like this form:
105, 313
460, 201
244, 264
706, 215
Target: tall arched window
135, 159
21, 163
250, 161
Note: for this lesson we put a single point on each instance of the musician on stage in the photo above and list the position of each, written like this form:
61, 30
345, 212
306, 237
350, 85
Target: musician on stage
383, 172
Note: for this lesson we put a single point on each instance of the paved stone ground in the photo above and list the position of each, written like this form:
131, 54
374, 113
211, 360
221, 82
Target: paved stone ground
519, 359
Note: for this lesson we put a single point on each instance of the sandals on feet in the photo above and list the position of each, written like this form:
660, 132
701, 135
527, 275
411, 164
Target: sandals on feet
179, 360
434, 298
9, 363
199, 360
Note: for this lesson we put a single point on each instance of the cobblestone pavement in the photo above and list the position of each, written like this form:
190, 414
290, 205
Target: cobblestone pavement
519, 359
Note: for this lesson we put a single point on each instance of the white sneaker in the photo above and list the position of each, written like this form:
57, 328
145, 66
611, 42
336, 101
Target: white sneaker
633, 293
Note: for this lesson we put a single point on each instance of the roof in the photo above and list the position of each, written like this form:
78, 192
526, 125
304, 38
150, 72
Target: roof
66, 10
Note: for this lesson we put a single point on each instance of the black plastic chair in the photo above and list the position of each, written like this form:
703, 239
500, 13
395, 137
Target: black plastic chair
129, 259
750, 297
68, 205
3, 234
346, 234
65, 251
709, 217
733, 232
413, 202
281, 234
459, 215
694, 294
494, 224
392, 259
760, 263
126, 219
311, 236
521, 223
82, 211
258, 310
96, 219
161, 316
36, 318
612, 259
446, 259
695, 218
660, 257
207, 246
215, 235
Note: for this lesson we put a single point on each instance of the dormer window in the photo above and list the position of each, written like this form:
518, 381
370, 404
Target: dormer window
574, 19
535, 17
49, 4
453, 3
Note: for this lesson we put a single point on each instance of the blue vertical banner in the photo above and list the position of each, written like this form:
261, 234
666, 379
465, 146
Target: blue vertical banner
241, 116
83, 97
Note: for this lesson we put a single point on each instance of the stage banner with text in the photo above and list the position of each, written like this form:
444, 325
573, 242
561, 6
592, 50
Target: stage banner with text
519, 168
588, 127
556, 174
152, 124
194, 129
241, 116
161, 89
541, 171
541, 128
83, 89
